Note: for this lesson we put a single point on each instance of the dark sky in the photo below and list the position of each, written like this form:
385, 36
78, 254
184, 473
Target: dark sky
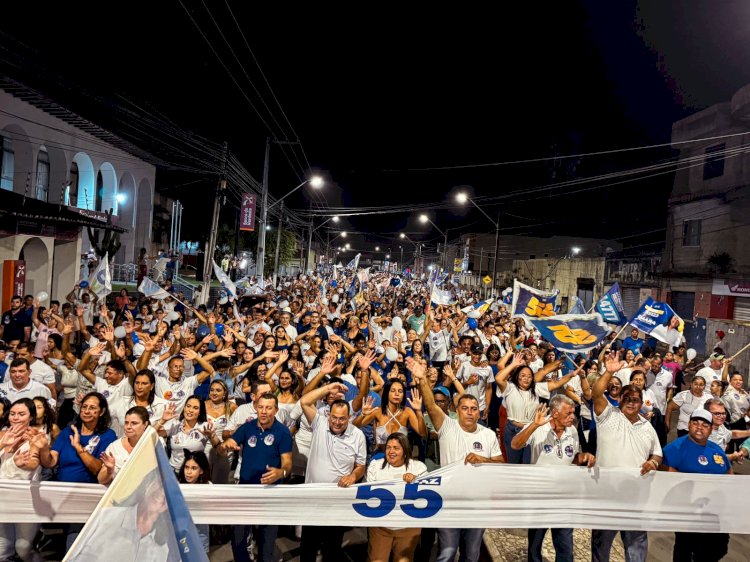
375, 92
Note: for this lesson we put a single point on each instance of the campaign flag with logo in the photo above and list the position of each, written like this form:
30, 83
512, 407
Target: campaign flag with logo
657, 319
477, 309
152, 290
611, 308
226, 282
364, 275
144, 493
572, 333
100, 282
439, 296
531, 302
354, 263
576, 306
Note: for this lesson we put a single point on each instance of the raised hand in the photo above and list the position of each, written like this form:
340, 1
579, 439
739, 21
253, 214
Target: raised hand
365, 361
208, 430
75, 439
120, 350
108, 460
613, 363
169, 412
518, 360
328, 364
368, 407
148, 343
79, 311
415, 400
540, 416
228, 352
417, 368
108, 334
97, 350
283, 356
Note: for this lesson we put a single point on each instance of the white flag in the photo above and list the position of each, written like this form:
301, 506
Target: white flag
226, 282
100, 282
152, 290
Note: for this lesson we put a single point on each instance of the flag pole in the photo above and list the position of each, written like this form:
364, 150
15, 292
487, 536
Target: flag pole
739, 352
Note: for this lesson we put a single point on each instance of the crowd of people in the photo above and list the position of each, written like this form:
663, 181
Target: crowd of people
307, 383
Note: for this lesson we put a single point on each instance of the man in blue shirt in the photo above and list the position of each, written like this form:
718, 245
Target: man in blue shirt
694, 453
633, 343
266, 447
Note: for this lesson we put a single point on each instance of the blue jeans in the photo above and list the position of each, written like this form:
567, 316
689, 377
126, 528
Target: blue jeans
522, 456
265, 538
635, 542
468, 541
561, 538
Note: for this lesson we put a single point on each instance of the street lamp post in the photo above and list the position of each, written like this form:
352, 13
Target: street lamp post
463, 198
425, 219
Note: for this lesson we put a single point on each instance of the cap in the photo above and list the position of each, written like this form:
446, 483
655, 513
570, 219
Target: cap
286, 309
442, 390
716, 356
720, 333
477, 348
702, 414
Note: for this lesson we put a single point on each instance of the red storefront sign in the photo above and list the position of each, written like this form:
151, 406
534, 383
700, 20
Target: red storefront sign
247, 212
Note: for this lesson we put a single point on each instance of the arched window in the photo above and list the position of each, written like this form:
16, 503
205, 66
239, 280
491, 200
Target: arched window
7, 164
71, 192
99, 191
42, 175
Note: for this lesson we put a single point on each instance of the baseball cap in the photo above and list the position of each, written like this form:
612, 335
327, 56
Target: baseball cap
477, 348
442, 390
716, 356
702, 414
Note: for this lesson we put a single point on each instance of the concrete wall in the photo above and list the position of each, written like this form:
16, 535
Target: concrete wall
38, 254
30, 129
737, 335
561, 274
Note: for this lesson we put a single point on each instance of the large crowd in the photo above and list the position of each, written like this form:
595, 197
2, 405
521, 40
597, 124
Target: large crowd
305, 382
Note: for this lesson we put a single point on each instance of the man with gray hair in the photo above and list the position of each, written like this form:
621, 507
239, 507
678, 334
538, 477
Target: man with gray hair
554, 441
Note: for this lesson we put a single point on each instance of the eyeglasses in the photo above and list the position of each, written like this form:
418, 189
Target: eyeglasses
632, 400
719, 414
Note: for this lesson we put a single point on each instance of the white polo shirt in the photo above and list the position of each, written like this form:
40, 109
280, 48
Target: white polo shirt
485, 377
709, 375
42, 373
455, 443
621, 443
176, 392
439, 343
113, 391
333, 456
547, 448
721, 436
688, 403
31, 390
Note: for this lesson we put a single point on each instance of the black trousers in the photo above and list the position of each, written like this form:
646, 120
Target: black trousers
329, 538
700, 547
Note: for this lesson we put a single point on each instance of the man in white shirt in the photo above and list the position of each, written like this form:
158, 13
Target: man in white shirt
438, 341
715, 371
477, 380
624, 439
40, 371
337, 454
659, 380
19, 383
460, 440
553, 441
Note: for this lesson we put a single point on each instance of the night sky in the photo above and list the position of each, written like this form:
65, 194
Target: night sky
376, 94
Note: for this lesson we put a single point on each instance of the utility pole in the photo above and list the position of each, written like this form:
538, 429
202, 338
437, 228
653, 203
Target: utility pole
309, 245
401, 265
278, 245
497, 250
211, 243
261, 255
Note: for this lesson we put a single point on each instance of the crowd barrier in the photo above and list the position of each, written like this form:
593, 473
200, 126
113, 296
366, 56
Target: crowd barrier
491, 496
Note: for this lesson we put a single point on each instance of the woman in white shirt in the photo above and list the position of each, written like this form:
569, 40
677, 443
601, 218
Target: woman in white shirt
218, 411
118, 452
687, 401
638, 380
144, 394
192, 431
396, 466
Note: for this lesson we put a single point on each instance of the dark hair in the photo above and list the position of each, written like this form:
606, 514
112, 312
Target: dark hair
49, 417
222, 364
202, 461
269, 396
18, 361
514, 378
105, 417
57, 338
340, 402
403, 440
30, 406
465, 397
386, 391
493, 347
202, 417
151, 379
6, 410
255, 384
117, 365
630, 389
141, 412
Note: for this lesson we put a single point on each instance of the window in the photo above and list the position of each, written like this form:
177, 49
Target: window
714, 164
6, 175
532, 256
691, 233
99, 191
42, 175
71, 192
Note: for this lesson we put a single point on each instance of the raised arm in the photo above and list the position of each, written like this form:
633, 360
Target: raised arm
612, 365
501, 378
192, 355
522, 438
418, 373
308, 401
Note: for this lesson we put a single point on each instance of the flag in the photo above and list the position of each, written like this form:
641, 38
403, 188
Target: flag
226, 282
433, 276
659, 321
145, 484
531, 302
438, 296
611, 308
363, 275
354, 263
576, 306
477, 309
100, 282
353, 287
152, 290
572, 333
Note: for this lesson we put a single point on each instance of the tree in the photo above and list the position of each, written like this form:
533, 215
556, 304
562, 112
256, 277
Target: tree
110, 239
249, 241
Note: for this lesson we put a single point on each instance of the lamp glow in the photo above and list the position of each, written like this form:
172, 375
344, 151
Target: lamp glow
335, 219
121, 198
402, 235
462, 198
576, 250
316, 182
423, 218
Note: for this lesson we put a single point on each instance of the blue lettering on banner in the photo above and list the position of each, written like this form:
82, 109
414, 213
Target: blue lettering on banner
387, 500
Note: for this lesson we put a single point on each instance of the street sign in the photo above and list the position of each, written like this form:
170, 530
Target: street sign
487, 279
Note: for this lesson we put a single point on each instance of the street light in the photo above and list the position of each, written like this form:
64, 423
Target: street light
463, 198
424, 219
576, 250
377, 248
417, 253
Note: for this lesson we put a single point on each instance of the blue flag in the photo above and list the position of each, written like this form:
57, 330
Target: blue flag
531, 302
659, 321
611, 308
572, 333
576, 306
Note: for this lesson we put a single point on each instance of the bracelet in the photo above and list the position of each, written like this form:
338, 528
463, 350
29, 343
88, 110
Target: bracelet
654, 462
283, 472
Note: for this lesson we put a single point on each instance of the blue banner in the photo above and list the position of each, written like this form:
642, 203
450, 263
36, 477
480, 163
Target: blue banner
659, 321
576, 306
572, 333
611, 308
531, 302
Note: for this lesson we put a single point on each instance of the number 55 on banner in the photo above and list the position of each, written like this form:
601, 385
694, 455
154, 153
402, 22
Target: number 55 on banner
386, 499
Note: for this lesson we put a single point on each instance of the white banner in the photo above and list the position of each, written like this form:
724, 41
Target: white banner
494, 496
